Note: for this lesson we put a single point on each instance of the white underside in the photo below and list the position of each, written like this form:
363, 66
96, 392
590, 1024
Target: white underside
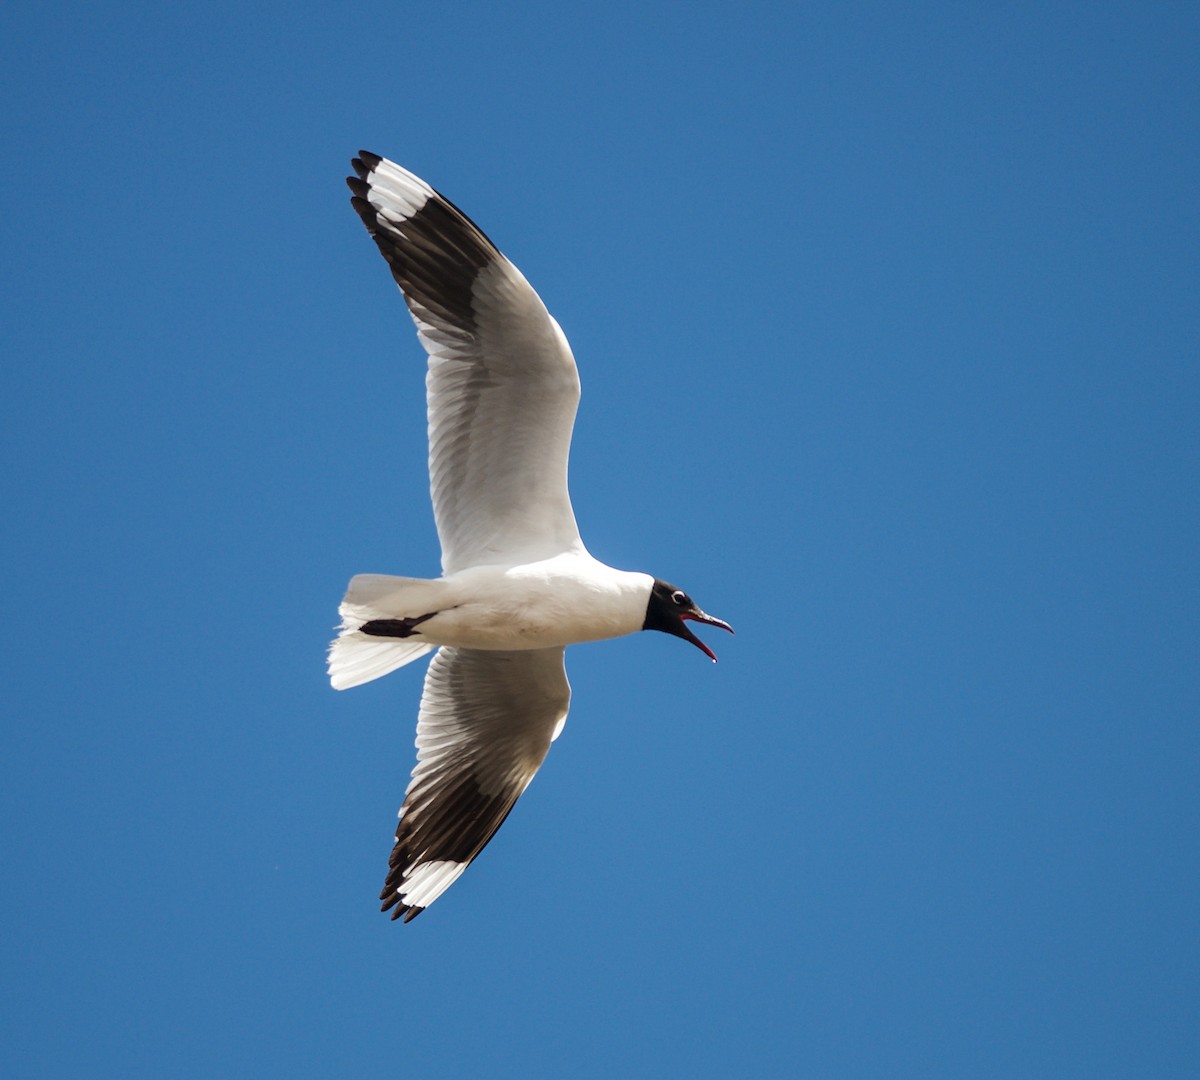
550, 603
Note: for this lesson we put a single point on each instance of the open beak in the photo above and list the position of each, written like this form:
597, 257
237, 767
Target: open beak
696, 615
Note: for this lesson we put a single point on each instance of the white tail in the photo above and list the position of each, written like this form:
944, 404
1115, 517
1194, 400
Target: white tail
355, 657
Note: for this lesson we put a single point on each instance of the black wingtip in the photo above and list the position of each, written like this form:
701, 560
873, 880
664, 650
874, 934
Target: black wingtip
367, 212
399, 909
392, 902
358, 185
368, 160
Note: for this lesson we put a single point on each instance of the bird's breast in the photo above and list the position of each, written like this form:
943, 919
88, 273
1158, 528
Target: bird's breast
539, 605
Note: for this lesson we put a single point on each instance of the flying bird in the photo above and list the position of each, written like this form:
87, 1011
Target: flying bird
517, 584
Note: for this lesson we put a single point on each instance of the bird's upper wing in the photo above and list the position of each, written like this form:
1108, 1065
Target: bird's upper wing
502, 384
487, 720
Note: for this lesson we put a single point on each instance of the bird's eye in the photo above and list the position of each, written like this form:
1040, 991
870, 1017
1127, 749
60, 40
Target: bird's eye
680, 598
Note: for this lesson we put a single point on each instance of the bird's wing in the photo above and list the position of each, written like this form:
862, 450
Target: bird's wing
502, 384
487, 720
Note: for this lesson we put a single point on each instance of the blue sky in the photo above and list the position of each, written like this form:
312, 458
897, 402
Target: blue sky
886, 318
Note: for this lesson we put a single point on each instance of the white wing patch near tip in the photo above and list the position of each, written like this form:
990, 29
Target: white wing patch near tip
397, 193
428, 881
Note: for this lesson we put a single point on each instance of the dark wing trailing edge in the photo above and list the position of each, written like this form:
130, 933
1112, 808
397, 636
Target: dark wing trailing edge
487, 720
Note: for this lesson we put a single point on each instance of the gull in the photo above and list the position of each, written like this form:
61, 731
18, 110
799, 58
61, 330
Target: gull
517, 584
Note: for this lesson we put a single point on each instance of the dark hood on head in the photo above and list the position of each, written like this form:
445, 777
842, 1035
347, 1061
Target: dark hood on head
669, 609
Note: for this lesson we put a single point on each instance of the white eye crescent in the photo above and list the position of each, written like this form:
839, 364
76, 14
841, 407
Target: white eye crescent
680, 598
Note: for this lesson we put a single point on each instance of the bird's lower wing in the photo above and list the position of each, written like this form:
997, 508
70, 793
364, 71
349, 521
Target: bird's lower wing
487, 720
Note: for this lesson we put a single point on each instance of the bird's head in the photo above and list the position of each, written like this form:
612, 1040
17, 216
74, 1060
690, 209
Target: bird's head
670, 609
